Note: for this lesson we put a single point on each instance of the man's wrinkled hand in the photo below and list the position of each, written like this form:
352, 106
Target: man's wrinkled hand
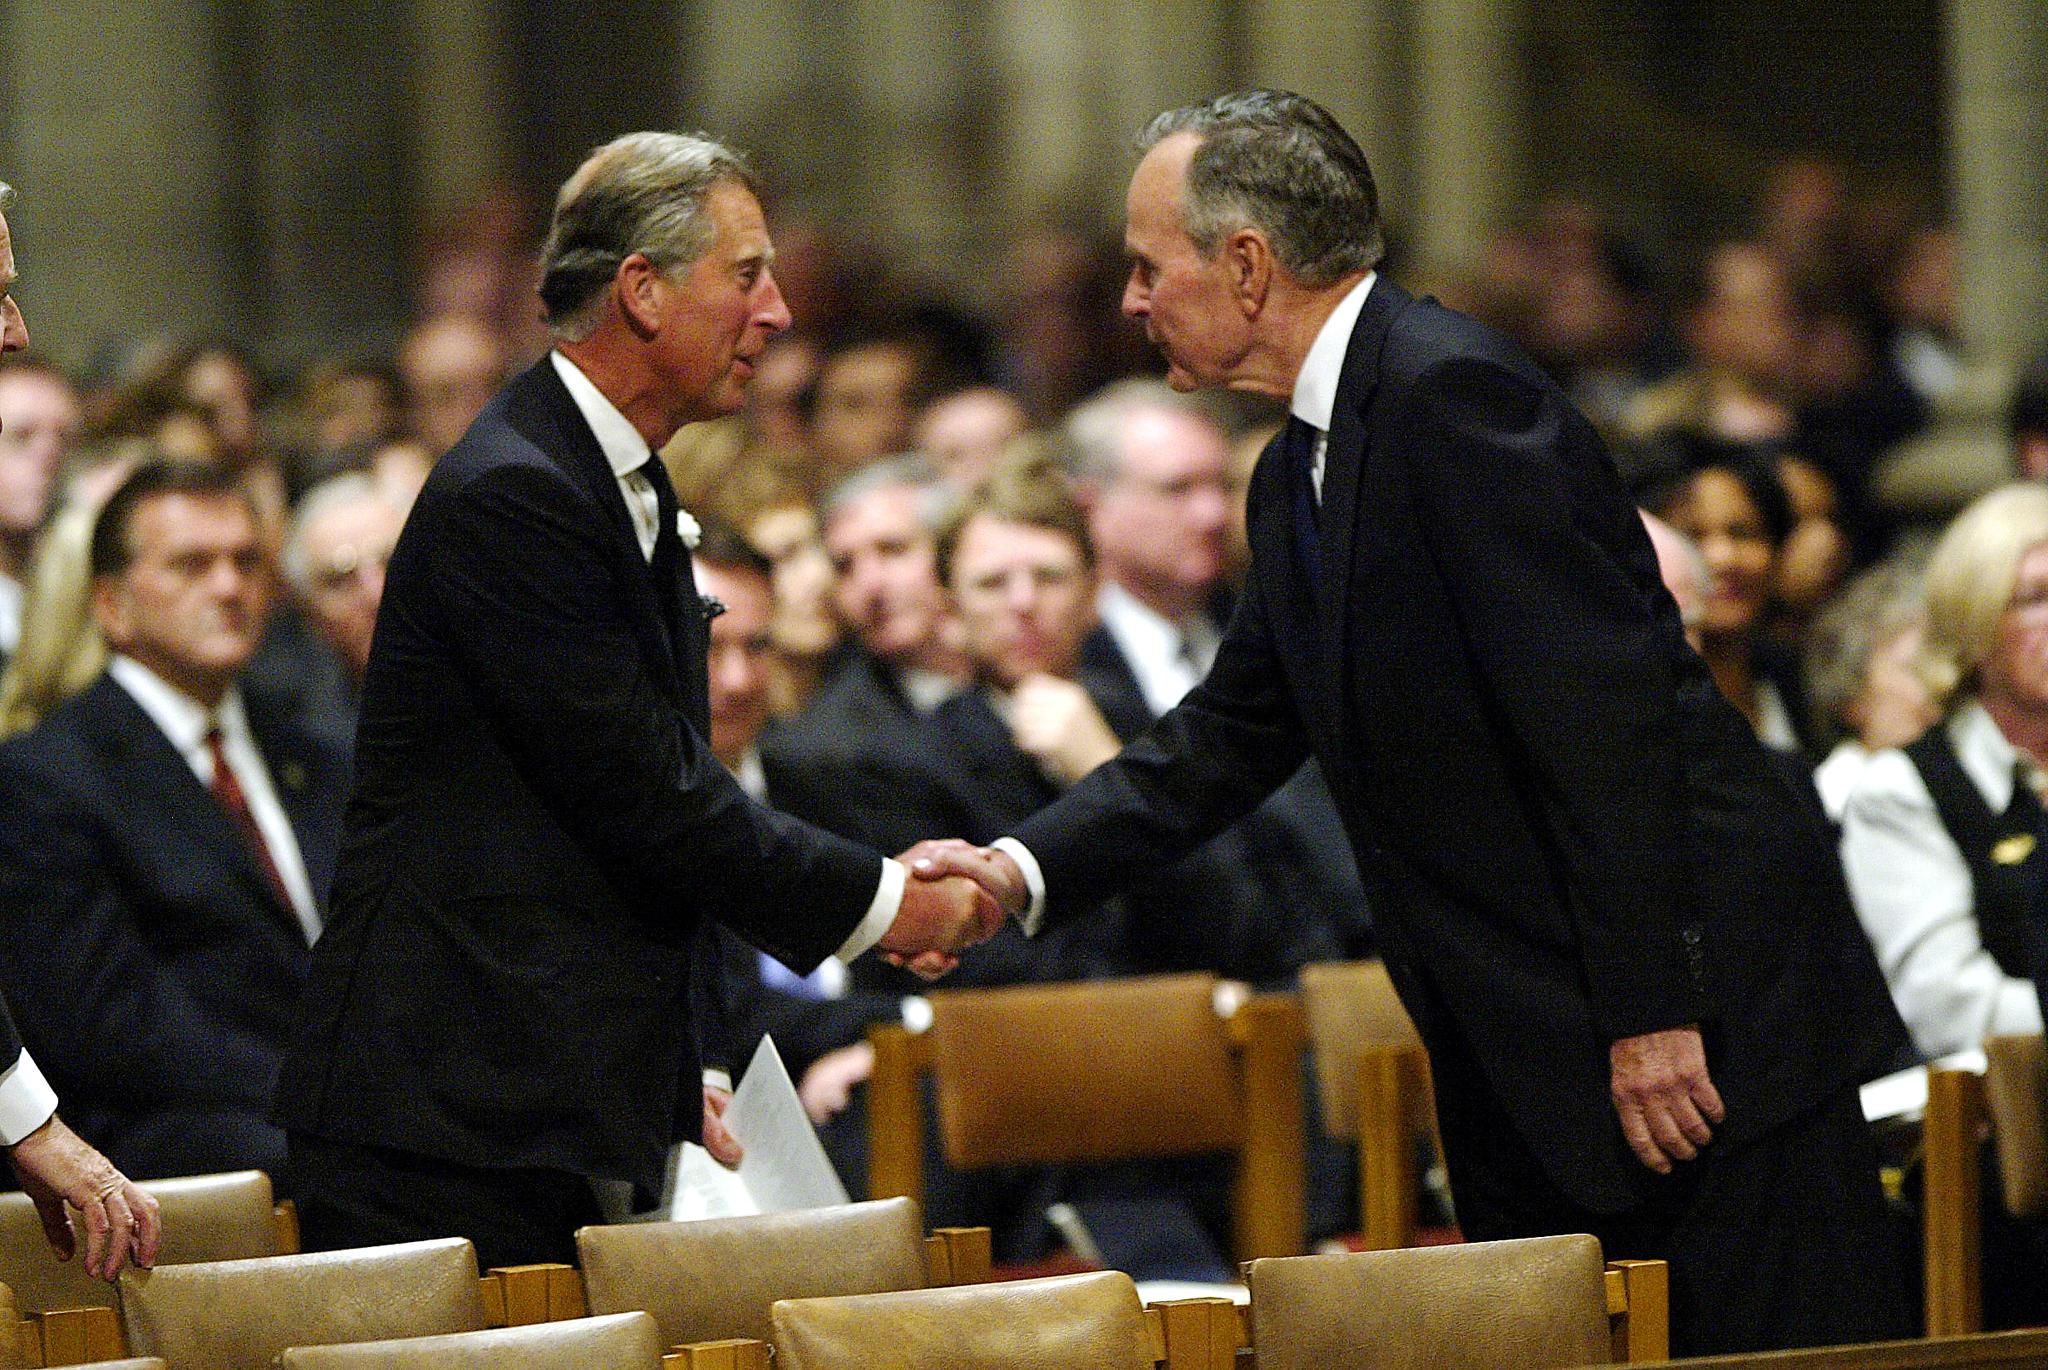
940, 916
57, 1167
1667, 1103
993, 870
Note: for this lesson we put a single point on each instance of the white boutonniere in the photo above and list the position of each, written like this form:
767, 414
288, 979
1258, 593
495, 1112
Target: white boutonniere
688, 529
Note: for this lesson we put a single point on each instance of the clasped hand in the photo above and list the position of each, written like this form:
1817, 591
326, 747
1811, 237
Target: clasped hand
957, 897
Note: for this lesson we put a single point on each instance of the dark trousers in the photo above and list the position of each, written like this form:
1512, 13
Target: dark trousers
351, 1195
1786, 1241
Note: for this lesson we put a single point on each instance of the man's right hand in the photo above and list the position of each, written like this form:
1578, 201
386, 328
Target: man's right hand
56, 1167
987, 867
942, 916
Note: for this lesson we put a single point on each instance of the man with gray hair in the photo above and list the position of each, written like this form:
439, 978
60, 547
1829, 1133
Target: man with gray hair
335, 551
1628, 949
513, 998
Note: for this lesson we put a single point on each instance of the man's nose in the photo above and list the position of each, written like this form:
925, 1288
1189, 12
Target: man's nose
773, 313
13, 328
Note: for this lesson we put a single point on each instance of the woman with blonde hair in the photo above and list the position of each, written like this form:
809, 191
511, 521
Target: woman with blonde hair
61, 650
1942, 839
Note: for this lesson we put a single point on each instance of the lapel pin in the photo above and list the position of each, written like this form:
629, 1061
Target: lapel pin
688, 529
2014, 849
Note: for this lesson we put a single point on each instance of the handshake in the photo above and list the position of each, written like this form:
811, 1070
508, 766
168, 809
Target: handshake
957, 897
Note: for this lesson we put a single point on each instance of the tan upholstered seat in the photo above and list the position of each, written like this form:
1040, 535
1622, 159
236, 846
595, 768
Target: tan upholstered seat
205, 1218
1102, 1071
1073, 1322
1483, 1306
1373, 1079
714, 1279
622, 1341
239, 1315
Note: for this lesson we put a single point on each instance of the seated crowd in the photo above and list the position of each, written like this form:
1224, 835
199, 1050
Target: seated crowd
960, 562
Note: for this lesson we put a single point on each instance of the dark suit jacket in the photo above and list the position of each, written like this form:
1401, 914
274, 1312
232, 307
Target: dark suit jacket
1567, 835
538, 829
153, 971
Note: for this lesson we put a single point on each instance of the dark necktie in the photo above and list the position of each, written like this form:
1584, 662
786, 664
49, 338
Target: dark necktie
235, 802
675, 585
1298, 449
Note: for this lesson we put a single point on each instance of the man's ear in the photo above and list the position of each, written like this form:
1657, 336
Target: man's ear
1250, 259
110, 610
637, 286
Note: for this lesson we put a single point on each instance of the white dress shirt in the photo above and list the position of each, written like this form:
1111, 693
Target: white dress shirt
186, 722
26, 1100
1315, 403
1168, 658
1914, 894
10, 614
627, 452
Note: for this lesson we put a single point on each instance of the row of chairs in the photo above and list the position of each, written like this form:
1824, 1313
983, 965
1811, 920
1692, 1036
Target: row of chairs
847, 1287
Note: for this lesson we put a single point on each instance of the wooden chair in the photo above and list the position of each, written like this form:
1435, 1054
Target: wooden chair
205, 1218
1075, 1322
1533, 1303
2010, 1103
621, 1341
1373, 1077
715, 1279
240, 1315
2026, 1350
1102, 1071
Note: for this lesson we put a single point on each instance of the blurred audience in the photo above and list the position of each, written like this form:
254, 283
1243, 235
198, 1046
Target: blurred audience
335, 552
2027, 419
39, 422
968, 433
450, 367
1860, 681
862, 403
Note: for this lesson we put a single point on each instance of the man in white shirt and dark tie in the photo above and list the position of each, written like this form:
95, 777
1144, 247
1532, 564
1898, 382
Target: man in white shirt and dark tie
167, 844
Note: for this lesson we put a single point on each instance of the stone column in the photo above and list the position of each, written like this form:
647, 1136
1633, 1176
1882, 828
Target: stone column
1470, 125
1998, 170
1351, 57
117, 115
461, 144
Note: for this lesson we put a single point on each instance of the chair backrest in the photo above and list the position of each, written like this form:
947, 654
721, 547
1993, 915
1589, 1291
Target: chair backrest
715, 1279
1537, 1302
620, 1341
1096, 1071
205, 1218
239, 1315
1076, 1322
1349, 1006
11, 1357
2016, 1093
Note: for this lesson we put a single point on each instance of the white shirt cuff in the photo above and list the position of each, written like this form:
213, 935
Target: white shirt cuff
881, 913
1034, 881
718, 1079
26, 1100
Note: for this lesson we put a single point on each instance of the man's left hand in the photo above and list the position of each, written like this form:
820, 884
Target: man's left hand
723, 1146
1668, 1105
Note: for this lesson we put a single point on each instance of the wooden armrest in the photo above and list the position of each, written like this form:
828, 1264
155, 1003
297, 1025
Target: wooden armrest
896, 1112
286, 1215
1272, 1176
72, 1336
959, 1255
521, 1295
1197, 1334
735, 1353
1639, 1310
1951, 1206
1391, 1086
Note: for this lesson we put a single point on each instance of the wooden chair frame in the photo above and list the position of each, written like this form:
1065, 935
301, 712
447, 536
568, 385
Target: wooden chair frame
1269, 1199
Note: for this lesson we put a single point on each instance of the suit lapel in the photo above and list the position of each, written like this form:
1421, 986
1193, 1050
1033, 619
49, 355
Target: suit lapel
568, 440
157, 781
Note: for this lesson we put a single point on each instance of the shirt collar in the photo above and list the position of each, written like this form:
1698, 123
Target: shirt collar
1315, 389
182, 719
1136, 625
624, 449
1986, 756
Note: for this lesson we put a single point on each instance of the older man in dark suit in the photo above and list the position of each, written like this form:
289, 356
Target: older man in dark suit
1627, 947
502, 1010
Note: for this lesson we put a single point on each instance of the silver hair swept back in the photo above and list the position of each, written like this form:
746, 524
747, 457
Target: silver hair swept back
1281, 163
644, 193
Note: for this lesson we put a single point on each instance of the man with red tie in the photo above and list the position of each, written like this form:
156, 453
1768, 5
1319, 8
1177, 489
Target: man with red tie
166, 841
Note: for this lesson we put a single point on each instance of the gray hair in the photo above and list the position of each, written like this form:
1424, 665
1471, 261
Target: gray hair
332, 493
1870, 611
1281, 163
644, 193
1094, 430
909, 470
